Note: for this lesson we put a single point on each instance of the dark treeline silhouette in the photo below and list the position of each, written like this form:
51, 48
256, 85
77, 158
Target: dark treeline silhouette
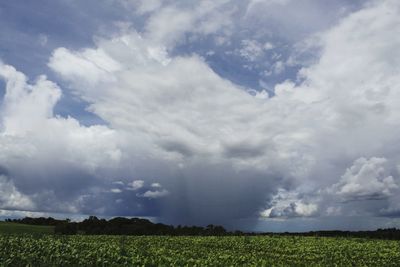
39, 221
388, 233
137, 226
121, 226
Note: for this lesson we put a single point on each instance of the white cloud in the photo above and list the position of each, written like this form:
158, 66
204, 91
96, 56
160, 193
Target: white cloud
251, 50
40, 149
154, 194
169, 24
147, 85
11, 198
366, 179
116, 190
156, 185
268, 46
135, 185
28, 115
26, 106
287, 205
146, 6
96, 65
356, 81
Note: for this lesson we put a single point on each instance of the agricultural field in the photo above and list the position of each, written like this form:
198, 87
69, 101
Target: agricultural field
80, 250
17, 228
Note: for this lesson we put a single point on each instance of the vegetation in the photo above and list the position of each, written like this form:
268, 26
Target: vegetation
80, 250
17, 228
136, 226
139, 242
121, 226
38, 221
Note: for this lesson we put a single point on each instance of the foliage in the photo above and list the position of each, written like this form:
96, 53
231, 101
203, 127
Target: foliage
79, 250
137, 226
38, 221
16, 228
388, 233
133, 226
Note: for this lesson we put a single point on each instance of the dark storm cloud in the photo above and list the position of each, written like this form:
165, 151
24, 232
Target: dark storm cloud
244, 150
178, 147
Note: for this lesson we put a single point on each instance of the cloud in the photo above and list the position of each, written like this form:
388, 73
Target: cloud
157, 192
11, 198
50, 160
366, 179
135, 185
154, 194
115, 190
288, 205
95, 64
181, 113
156, 185
170, 23
277, 68
220, 153
177, 116
355, 79
25, 106
251, 49
166, 93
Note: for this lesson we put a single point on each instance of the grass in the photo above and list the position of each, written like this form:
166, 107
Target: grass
16, 228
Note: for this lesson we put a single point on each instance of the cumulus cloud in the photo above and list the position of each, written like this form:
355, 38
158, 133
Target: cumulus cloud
95, 64
187, 115
115, 190
46, 156
135, 185
180, 113
289, 204
205, 146
157, 191
11, 198
366, 179
26, 106
154, 193
156, 185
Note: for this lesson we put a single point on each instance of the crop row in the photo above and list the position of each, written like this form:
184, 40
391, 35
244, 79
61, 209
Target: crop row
53, 250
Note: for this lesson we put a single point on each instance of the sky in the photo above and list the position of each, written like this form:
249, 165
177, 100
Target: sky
259, 115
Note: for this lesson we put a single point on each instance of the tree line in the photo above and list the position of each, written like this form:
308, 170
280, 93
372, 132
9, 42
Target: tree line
387, 233
137, 226
121, 226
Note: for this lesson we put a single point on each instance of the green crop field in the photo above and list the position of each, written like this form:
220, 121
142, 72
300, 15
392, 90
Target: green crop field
16, 228
79, 250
